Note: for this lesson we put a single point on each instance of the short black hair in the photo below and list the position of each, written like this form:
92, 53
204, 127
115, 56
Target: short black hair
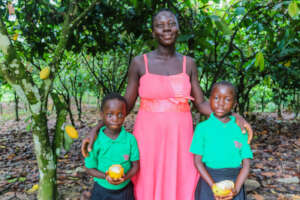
111, 96
224, 83
163, 10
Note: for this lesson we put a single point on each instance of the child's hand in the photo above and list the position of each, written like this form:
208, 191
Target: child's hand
114, 181
227, 197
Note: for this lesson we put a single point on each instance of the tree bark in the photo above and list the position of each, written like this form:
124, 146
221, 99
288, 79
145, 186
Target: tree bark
16, 106
45, 157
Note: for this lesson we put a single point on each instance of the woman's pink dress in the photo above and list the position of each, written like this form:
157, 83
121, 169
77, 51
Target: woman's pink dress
164, 130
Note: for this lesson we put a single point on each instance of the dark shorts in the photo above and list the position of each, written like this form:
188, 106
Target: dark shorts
101, 193
203, 191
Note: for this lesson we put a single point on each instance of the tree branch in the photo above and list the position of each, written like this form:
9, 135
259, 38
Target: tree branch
83, 14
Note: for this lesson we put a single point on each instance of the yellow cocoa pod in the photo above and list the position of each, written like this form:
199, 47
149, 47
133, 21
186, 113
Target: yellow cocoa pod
71, 131
44, 73
116, 171
223, 188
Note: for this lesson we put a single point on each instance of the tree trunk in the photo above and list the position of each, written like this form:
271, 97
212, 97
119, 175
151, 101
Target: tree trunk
71, 114
46, 159
16, 106
279, 110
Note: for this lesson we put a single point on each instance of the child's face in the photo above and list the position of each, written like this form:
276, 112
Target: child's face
222, 100
165, 28
113, 114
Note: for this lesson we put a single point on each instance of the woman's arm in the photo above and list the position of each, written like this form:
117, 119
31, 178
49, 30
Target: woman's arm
202, 106
133, 82
87, 143
243, 124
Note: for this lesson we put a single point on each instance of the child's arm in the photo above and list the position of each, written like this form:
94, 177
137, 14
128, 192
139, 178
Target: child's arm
242, 175
204, 173
95, 173
135, 167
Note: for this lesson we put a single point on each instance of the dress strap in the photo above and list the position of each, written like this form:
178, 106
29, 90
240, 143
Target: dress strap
146, 63
184, 64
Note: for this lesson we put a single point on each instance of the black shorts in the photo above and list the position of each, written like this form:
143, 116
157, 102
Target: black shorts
203, 191
101, 193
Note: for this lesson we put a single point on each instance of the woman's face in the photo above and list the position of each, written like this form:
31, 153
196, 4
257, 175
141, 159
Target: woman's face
165, 28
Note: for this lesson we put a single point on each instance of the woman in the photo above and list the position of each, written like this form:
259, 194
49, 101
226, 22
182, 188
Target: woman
164, 80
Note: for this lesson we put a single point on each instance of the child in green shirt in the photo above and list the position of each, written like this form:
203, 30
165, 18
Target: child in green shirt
113, 146
220, 148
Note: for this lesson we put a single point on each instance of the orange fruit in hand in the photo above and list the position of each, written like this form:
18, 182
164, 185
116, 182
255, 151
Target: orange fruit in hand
116, 171
223, 188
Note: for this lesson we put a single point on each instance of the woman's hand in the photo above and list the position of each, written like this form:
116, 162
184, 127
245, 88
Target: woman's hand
84, 147
87, 143
244, 125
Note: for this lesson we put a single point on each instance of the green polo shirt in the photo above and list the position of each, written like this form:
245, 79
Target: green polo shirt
222, 145
123, 150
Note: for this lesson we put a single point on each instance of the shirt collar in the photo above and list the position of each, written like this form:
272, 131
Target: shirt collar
121, 135
215, 119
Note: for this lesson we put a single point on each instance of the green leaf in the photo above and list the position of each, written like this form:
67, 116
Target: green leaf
222, 26
135, 3
217, 1
12, 180
22, 179
260, 61
188, 3
260, 27
293, 9
240, 11
185, 37
28, 127
149, 3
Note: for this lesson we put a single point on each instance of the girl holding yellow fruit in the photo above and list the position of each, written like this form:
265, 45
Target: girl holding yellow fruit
114, 158
221, 152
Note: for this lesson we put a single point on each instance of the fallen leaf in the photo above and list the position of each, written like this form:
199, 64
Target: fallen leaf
268, 174
33, 189
258, 197
298, 142
259, 165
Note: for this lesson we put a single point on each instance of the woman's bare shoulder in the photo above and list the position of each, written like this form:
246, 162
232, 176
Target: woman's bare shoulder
137, 65
190, 65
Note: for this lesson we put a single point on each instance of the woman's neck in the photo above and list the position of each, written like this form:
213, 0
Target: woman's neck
165, 52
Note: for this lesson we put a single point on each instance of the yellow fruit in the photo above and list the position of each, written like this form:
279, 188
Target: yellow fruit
44, 73
116, 171
71, 131
223, 188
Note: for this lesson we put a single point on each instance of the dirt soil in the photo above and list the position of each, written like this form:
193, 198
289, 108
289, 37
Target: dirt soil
276, 164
